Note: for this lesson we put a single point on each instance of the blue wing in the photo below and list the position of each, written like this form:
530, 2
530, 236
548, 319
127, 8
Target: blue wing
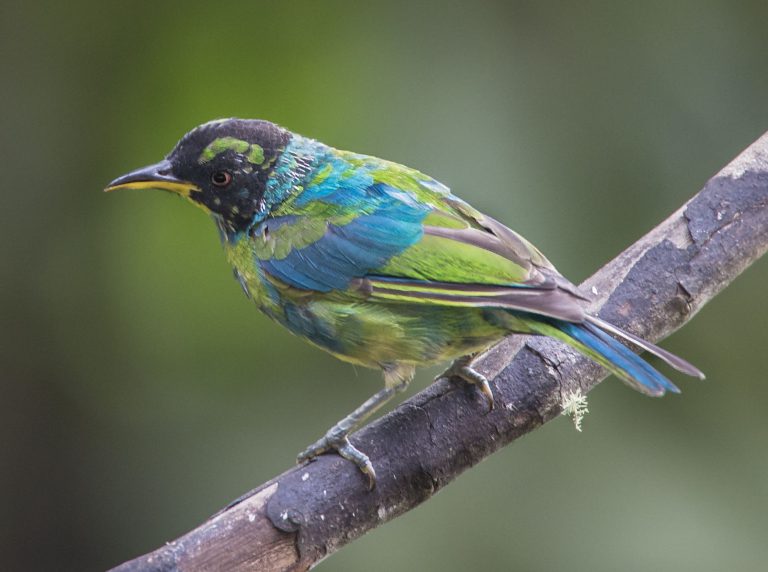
347, 249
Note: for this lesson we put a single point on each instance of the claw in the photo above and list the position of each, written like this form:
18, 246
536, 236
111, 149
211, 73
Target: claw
461, 369
349, 452
343, 447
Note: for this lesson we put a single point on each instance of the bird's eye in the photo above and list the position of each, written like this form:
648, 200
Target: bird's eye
221, 178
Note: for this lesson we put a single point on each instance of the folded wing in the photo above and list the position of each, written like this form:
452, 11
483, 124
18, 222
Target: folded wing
430, 248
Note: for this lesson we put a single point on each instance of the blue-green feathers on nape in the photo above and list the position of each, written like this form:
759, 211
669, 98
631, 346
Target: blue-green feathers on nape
378, 263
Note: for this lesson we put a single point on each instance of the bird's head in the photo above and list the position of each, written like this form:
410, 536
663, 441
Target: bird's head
222, 166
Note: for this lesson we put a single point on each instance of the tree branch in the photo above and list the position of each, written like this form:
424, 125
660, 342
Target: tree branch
651, 289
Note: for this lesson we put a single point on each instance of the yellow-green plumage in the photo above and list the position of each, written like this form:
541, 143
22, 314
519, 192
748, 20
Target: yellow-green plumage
374, 329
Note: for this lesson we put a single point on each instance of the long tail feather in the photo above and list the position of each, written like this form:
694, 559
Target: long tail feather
669, 358
591, 339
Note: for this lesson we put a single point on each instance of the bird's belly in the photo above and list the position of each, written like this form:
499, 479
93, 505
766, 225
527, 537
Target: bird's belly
373, 334
369, 333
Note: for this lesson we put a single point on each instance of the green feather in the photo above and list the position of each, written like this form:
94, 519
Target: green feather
441, 259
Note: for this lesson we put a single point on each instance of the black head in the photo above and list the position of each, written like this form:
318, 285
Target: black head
222, 165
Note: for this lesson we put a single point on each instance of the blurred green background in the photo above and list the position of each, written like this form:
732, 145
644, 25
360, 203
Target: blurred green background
141, 391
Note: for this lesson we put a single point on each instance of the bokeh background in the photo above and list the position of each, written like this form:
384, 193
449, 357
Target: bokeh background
141, 391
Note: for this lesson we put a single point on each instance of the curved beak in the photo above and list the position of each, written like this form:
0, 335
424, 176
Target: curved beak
157, 176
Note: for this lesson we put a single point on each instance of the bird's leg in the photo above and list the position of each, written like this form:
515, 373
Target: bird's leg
396, 379
336, 439
462, 369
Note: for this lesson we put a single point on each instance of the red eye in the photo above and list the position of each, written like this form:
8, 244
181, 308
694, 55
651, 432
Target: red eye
221, 178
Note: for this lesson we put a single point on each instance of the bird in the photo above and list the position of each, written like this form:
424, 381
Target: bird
379, 264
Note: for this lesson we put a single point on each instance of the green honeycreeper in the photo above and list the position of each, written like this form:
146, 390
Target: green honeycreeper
377, 263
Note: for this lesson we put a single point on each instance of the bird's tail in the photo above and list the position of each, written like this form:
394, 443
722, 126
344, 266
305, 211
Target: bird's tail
591, 338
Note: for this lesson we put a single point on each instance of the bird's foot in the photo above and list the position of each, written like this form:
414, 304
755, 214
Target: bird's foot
337, 441
460, 368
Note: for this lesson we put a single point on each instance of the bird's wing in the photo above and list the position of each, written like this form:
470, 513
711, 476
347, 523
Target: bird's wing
407, 239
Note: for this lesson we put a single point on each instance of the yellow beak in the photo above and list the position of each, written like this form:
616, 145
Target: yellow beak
157, 176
